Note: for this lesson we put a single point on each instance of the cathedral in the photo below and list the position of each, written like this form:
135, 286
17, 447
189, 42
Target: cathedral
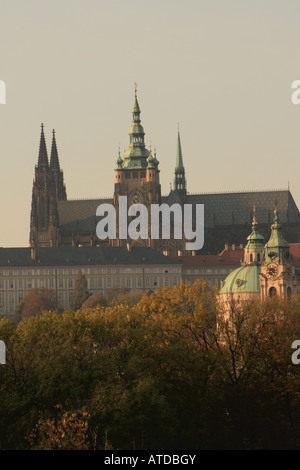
56, 221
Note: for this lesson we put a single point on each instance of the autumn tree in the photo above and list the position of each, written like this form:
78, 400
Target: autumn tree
81, 293
36, 301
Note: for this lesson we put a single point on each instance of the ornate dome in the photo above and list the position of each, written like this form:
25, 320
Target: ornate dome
242, 280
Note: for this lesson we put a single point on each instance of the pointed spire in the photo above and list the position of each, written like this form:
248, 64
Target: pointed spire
54, 161
43, 156
179, 178
136, 132
179, 161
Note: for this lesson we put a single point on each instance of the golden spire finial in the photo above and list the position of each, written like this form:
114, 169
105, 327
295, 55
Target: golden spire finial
254, 222
135, 87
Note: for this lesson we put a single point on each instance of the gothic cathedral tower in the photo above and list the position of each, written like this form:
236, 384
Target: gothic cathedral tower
137, 177
48, 188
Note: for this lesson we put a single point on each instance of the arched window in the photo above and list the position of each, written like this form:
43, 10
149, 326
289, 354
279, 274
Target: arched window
258, 257
272, 292
289, 292
251, 258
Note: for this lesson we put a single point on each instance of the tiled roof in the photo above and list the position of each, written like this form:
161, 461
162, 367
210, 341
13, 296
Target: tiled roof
79, 215
83, 256
237, 208
209, 260
219, 209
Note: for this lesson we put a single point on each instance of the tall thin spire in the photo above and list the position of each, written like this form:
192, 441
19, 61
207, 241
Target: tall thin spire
54, 161
179, 162
179, 177
43, 156
136, 132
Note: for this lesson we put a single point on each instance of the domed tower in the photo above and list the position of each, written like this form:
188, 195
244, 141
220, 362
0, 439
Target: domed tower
243, 283
277, 275
137, 176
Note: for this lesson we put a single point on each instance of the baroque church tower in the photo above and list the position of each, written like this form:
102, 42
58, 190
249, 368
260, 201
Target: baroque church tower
277, 275
137, 177
48, 188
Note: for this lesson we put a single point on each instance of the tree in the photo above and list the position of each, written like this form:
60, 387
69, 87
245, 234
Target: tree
81, 293
36, 301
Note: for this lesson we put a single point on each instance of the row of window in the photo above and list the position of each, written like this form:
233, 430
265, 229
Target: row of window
198, 271
96, 270
93, 283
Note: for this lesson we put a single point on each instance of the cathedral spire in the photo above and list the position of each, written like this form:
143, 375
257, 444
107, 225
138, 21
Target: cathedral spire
43, 156
54, 161
136, 132
179, 178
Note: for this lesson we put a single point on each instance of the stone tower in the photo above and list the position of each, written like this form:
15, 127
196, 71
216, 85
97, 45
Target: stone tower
48, 188
136, 176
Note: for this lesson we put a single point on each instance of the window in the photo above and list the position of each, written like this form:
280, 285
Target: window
127, 176
1, 284
20, 284
70, 283
128, 282
99, 282
51, 284
108, 282
11, 284
60, 283
272, 292
139, 282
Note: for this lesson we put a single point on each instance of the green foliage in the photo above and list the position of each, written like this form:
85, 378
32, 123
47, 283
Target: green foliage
169, 371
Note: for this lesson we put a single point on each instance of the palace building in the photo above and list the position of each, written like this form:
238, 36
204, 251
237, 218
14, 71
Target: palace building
56, 221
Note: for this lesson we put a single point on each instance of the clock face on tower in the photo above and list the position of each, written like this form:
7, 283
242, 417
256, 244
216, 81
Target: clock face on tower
136, 198
272, 270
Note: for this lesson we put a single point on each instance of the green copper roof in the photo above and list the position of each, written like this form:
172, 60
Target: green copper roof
179, 162
255, 240
243, 279
276, 240
136, 156
277, 249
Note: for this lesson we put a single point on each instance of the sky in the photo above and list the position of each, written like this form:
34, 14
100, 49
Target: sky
221, 69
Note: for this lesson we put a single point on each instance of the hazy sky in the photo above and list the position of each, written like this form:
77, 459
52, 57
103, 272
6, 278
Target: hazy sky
221, 68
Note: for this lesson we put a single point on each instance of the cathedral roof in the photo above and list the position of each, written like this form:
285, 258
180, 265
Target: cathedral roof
219, 209
235, 208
